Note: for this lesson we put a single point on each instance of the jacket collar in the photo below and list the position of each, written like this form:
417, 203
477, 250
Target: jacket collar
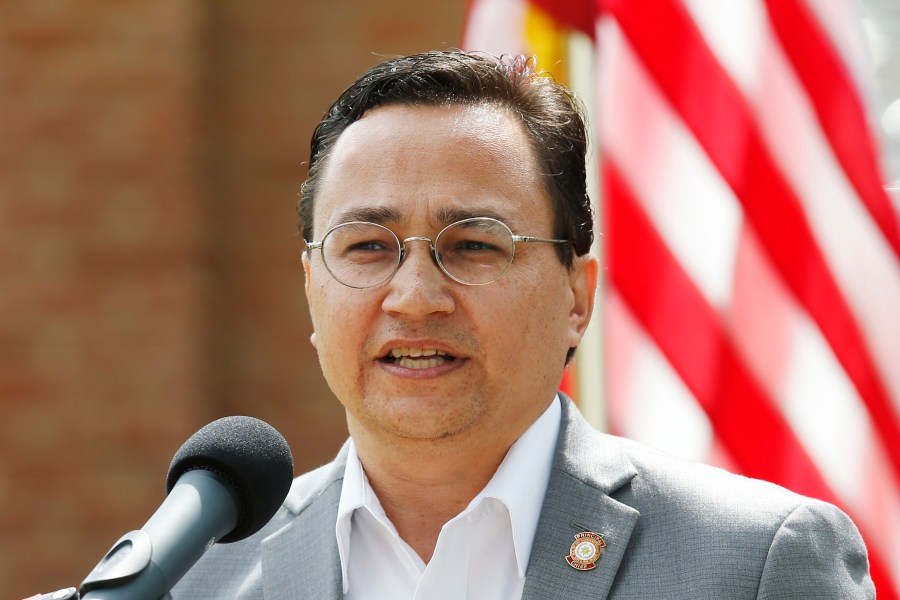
587, 471
308, 539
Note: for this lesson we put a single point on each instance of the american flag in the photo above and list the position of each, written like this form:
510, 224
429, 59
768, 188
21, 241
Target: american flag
750, 311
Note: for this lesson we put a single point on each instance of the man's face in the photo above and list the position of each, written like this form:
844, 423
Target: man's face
497, 350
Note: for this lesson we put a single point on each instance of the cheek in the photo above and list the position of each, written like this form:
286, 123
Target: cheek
335, 319
337, 343
538, 316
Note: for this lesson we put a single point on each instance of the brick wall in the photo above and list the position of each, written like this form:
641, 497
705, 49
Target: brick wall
150, 156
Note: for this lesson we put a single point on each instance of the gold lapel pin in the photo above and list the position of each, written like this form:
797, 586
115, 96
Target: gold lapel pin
585, 551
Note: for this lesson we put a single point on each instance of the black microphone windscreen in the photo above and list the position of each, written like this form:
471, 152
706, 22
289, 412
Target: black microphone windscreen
252, 456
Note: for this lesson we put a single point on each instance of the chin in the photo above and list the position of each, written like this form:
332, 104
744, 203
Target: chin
419, 419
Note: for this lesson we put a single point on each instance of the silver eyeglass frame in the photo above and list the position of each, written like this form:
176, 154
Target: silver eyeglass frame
404, 251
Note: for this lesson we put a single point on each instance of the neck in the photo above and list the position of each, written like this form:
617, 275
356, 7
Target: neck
422, 484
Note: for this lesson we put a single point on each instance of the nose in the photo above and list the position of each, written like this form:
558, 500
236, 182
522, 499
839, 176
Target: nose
419, 287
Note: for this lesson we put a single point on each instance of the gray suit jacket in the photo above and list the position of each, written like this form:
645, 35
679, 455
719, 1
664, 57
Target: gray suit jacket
673, 530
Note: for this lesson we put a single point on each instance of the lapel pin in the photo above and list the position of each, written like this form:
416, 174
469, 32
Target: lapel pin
585, 551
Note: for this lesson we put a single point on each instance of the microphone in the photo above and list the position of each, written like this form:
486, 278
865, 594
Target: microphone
224, 484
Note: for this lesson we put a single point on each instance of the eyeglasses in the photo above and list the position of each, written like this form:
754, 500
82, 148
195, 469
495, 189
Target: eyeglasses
472, 251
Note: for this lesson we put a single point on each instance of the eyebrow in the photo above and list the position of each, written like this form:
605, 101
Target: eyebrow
445, 216
373, 214
383, 215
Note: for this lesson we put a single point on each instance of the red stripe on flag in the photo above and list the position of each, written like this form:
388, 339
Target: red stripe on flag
677, 57
673, 311
838, 107
576, 14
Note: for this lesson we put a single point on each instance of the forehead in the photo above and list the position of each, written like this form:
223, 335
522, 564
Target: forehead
406, 163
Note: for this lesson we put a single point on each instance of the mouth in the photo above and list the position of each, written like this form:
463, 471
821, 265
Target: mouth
417, 358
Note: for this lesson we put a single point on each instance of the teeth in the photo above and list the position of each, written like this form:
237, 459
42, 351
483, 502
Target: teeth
409, 363
416, 352
418, 358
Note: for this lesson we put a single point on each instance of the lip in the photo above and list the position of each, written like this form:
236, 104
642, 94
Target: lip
426, 373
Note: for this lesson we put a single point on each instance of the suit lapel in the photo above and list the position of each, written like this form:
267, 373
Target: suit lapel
587, 469
301, 559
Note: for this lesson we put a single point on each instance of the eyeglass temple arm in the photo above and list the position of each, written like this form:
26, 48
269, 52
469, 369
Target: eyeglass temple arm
530, 238
310, 246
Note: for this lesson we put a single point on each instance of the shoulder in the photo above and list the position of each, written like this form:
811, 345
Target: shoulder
690, 496
700, 519
667, 483
662, 486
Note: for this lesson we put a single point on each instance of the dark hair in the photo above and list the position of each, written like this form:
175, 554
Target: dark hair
550, 113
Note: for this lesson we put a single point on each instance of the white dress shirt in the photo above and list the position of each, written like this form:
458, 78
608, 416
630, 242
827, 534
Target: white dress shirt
481, 553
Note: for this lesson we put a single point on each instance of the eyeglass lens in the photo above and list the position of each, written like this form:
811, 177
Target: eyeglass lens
473, 251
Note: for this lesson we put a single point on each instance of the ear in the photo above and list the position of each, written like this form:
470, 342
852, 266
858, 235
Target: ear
304, 257
583, 281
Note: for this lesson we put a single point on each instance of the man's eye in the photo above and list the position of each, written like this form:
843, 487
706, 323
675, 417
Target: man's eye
475, 246
368, 251
367, 246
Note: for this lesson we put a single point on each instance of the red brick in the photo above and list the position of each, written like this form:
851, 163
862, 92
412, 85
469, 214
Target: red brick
150, 279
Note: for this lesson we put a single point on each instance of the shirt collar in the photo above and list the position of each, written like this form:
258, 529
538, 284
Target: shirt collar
520, 483
355, 491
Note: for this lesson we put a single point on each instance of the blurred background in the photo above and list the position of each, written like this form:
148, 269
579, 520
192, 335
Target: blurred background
150, 282
151, 153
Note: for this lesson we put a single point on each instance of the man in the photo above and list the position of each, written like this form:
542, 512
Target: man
449, 281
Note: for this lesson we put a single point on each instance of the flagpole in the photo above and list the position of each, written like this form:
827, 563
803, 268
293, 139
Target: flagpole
590, 359
880, 26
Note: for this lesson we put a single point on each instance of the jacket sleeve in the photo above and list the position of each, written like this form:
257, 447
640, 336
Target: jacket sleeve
816, 553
